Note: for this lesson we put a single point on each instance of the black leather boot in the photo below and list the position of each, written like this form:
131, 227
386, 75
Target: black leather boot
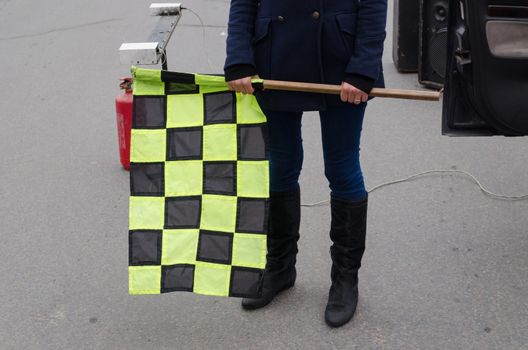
348, 230
283, 234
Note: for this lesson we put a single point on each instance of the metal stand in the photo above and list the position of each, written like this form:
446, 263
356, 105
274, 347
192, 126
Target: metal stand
154, 48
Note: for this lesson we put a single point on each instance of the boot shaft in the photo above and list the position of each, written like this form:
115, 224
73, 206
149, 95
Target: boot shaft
348, 232
285, 214
283, 232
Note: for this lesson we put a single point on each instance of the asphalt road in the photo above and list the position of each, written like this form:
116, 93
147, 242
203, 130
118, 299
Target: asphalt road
446, 267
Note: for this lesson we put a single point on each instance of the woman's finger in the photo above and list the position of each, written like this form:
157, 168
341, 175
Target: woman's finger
352, 96
240, 86
357, 97
364, 97
243, 88
249, 87
344, 93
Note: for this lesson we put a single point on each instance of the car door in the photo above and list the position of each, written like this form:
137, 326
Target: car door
486, 88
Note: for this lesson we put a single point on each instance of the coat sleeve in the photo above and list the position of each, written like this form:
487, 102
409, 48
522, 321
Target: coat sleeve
370, 35
240, 28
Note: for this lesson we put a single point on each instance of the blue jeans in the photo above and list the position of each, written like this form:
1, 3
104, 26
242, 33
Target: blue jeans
341, 131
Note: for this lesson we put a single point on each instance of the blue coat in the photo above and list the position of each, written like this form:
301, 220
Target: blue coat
320, 41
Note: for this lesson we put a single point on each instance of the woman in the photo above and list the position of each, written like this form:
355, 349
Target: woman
321, 41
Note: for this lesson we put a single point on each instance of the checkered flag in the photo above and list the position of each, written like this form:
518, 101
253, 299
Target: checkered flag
199, 187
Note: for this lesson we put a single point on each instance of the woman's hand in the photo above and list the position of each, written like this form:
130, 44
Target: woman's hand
351, 94
242, 85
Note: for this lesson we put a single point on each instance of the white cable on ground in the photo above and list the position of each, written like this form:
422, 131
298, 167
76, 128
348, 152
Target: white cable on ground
203, 34
487, 192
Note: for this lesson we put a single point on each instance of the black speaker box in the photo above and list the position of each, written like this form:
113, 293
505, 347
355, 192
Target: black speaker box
433, 42
405, 35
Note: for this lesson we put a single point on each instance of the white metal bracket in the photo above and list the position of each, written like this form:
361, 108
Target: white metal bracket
154, 48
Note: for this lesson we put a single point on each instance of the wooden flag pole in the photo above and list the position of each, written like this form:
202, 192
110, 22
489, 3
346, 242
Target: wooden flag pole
336, 90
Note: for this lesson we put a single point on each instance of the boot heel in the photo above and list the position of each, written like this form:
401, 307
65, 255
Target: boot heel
267, 295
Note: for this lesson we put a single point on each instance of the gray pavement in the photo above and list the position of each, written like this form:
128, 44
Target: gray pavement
446, 267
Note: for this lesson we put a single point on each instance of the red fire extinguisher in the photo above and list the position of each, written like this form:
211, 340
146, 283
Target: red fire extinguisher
124, 106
